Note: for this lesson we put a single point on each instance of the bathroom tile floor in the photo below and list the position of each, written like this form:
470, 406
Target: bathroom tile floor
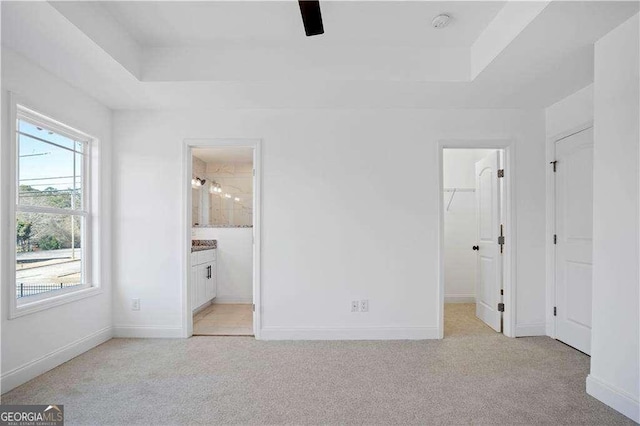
224, 320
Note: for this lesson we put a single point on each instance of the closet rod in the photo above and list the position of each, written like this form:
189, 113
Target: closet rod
453, 193
459, 190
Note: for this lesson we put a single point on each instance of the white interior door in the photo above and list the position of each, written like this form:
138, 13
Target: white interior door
489, 281
574, 239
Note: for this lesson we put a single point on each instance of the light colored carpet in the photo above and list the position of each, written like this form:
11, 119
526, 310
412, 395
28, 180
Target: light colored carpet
224, 320
482, 378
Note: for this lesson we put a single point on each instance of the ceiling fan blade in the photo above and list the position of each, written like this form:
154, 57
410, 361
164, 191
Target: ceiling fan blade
311, 17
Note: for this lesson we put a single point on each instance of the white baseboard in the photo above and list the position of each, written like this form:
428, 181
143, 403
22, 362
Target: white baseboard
220, 300
353, 333
528, 330
459, 298
33, 369
143, 332
615, 398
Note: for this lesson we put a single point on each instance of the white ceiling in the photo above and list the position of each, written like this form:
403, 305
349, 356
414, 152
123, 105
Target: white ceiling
224, 155
528, 56
264, 23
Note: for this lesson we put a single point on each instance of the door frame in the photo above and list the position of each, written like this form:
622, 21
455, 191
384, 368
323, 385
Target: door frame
509, 261
187, 163
550, 286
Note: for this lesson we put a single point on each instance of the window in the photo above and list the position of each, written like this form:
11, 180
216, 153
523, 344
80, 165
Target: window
52, 210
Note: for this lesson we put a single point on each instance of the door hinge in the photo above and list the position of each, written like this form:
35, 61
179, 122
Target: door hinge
253, 307
554, 163
500, 173
254, 172
555, 311
501, 292
500, 307
555, 239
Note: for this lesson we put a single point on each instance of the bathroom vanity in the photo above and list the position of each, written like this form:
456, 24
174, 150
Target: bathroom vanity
203, 273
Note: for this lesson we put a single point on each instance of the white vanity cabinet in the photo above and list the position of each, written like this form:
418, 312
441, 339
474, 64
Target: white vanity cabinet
203, 277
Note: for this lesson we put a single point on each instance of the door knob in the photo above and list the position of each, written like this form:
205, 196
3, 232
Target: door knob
476, 248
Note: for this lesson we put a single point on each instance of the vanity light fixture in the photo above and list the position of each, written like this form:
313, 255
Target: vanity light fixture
196, 182
237, 199
215, 188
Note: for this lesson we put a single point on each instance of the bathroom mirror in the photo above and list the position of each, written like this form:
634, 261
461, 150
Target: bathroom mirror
222, 194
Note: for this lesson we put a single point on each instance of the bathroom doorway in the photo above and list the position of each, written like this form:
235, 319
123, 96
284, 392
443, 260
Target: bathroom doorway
222, 248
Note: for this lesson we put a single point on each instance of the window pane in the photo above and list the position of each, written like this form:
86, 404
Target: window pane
48, 252
46, 134
77, 193
49, 176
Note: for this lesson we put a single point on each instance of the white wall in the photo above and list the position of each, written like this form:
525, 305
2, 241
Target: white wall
349, 212
571, 112
234, 262
34, 343
615, 353
460, 226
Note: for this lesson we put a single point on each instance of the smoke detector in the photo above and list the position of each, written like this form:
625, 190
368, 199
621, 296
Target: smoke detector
441, 21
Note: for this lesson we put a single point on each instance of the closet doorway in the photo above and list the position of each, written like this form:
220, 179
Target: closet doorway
474, 241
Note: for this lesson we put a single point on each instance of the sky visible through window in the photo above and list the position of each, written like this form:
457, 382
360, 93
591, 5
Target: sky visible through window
43, 165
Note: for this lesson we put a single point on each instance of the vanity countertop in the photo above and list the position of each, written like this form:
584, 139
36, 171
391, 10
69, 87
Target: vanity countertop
200, 245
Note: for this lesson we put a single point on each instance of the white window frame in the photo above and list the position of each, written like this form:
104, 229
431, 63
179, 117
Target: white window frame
89, 286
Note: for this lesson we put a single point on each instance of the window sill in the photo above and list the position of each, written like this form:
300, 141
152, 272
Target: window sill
50, 302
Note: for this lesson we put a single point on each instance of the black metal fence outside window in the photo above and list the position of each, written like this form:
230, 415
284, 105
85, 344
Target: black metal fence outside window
24, 290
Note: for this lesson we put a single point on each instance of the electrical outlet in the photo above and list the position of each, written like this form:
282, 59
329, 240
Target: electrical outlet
364, 306
355, 306
135, 304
